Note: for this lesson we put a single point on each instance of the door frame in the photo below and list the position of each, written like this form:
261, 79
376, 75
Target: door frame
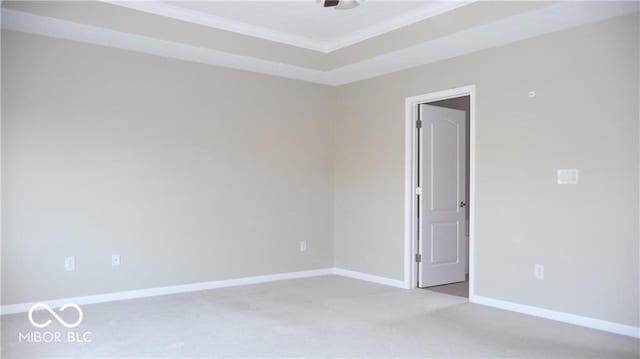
410, 219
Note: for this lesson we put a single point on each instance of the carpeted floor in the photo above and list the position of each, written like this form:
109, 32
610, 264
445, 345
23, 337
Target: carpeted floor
325, 316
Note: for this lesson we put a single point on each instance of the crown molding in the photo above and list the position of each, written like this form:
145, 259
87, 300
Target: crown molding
546, 20
394, 24
538, 22
221, 23
67, 30
217, 22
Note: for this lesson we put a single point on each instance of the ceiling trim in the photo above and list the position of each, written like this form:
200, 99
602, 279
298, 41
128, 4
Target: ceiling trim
395, 23
217, 22
542, 21
221, 23
68, 30
546, 20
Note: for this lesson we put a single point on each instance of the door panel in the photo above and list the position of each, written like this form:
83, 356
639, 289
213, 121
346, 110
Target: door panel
444, 243
444, 165
442, 178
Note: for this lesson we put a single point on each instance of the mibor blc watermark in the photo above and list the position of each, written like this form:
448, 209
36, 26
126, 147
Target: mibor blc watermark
46, 336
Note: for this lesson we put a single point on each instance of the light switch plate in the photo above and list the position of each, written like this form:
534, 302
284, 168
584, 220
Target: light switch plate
70, 263
568, 176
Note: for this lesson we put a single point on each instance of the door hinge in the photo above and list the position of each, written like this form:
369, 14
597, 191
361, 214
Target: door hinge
418, 257
419, 191
418, 123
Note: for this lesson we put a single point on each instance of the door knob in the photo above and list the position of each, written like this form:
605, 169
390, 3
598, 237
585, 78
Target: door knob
462, 204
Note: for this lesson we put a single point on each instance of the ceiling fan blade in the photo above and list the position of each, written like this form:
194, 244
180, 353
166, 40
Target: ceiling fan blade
329, 3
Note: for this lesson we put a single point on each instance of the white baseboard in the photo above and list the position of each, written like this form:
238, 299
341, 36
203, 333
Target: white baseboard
592, 323
192, 287
599, 324
370, 278
152, 292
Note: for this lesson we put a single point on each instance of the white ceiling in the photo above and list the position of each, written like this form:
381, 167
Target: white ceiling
302, 23
307, 18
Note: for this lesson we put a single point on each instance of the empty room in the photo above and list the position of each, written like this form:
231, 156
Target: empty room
312, 178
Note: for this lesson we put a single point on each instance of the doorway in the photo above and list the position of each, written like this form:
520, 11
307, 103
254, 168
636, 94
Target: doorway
439, 202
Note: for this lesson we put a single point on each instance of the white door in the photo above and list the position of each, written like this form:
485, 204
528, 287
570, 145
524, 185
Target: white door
441, 177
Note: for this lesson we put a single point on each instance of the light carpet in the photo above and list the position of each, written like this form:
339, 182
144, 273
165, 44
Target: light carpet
326, 316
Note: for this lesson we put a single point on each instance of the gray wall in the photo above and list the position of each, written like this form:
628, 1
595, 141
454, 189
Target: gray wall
190, 172
585, 116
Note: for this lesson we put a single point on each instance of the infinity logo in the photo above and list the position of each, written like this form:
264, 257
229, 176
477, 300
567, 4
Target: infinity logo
55, 315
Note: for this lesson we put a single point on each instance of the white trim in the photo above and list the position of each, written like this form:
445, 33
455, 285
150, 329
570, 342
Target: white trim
62, 29
217, 22
473, 125
410, 250
370, 278
395, 23
592, 323
205, 19
152, 292
548, 19
192, 287
545, 20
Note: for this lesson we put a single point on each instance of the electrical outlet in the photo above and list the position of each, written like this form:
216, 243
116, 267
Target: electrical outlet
539, 271
303, 246
70, 263
115, 259
568, 176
